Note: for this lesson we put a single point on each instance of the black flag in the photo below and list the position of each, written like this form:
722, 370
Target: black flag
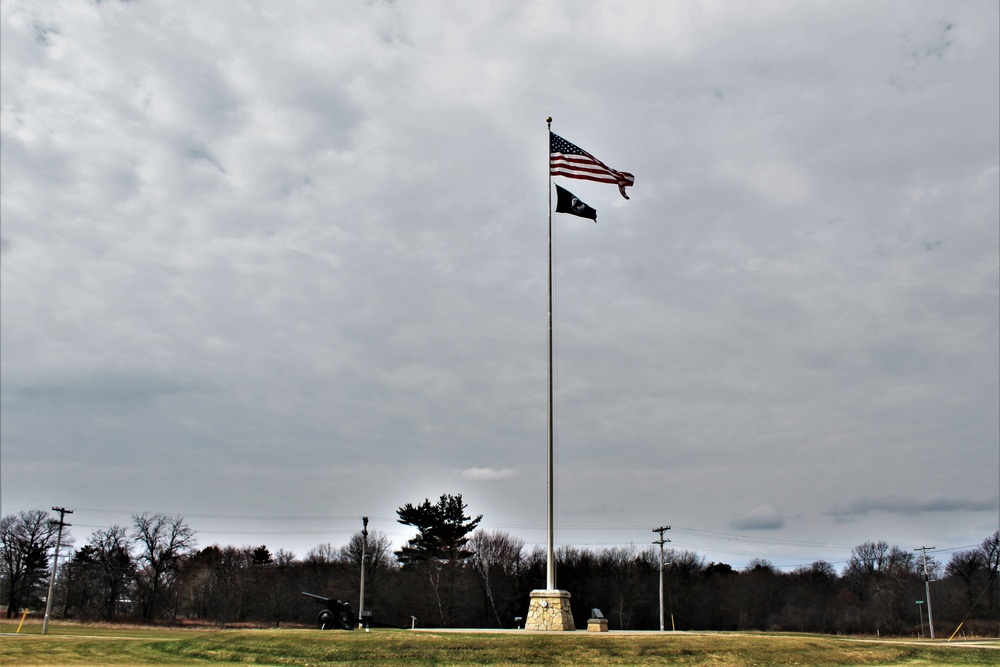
567, 202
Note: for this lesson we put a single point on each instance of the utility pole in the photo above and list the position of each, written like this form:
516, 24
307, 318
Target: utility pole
661, 542
364, 555
927, 591
55, 564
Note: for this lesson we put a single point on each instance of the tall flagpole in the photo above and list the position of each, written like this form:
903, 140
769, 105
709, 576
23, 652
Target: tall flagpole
550, 609
550, 569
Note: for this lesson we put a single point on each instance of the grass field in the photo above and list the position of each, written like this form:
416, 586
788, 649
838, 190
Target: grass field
70, 645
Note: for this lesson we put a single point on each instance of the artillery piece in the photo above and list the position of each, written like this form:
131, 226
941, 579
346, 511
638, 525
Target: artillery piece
336, 615
339, 616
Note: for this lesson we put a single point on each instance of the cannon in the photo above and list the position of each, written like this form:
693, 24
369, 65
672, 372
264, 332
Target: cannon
336, 615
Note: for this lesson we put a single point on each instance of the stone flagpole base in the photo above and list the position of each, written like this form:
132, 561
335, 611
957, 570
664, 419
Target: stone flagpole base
549, 611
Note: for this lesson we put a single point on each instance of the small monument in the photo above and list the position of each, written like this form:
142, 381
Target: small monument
597, 622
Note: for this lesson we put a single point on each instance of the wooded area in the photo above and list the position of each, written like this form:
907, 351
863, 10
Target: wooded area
465, 576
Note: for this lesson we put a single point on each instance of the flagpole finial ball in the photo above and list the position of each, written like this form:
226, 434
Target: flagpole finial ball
549, 119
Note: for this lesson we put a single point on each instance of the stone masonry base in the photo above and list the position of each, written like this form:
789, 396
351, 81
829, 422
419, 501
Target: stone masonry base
550, 611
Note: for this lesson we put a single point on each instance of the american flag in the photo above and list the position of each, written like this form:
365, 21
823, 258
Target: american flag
566, 159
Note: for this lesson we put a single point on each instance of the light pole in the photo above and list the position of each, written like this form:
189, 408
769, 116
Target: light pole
364, 555
920, 610
661, 542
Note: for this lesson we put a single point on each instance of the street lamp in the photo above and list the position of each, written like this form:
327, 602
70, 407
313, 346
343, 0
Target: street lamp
364, 554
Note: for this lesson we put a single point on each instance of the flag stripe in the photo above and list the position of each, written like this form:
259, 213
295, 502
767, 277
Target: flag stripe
569, 160
577, 169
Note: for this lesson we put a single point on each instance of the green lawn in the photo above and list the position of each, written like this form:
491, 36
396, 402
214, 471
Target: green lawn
69, 644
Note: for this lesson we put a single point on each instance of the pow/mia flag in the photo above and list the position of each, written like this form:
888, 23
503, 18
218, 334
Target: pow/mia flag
567, 202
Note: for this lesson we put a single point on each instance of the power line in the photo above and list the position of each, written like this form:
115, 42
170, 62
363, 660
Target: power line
244, 517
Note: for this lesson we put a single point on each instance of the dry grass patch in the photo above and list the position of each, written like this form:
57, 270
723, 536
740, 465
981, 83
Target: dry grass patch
72, 646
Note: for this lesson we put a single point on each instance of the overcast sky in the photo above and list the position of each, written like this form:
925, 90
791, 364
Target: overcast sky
273, 266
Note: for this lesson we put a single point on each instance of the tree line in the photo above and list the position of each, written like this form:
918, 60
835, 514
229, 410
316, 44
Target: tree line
455, 574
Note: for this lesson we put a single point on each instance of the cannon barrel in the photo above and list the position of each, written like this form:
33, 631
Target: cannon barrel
319, 598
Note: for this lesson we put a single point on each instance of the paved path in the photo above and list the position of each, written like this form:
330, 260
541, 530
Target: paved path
979, 643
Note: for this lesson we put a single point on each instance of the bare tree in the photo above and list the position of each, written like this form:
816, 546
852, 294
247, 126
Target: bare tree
113, 554
217, 582
25, 539
965, 565
321, 554
497, 560
991, 552
323, 572
990, 549
274, 585
202, 591
879, 575
625, 567
377, 552
161, 540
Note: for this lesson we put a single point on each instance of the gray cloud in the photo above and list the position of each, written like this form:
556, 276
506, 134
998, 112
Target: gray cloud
318, 268
487, 474
764, 517
911, 505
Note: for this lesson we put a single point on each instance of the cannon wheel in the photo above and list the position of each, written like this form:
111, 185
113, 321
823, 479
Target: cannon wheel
325, 619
